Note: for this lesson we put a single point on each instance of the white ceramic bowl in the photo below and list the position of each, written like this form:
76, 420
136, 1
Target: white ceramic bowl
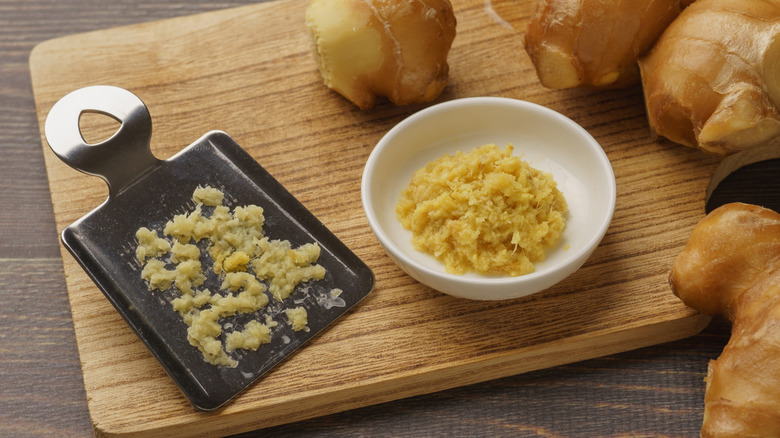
544, 138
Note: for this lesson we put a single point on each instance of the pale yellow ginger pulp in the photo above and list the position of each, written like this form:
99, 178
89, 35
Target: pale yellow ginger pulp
243, 257
254, 334
285, 267
236, 261
208, 196
298, 318
150, 244
185, 275
485, 211
181, 252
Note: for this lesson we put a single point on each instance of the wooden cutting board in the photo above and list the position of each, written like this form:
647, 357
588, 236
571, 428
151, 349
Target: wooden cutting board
249, 71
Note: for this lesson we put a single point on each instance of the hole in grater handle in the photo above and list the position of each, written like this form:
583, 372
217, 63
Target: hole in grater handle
120, 159
96, 127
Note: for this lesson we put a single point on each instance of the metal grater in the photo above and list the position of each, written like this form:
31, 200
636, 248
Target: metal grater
146, 191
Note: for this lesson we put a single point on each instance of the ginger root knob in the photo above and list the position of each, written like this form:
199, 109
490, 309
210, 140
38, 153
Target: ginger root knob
712, 80
392, 48
594, 43
731, 266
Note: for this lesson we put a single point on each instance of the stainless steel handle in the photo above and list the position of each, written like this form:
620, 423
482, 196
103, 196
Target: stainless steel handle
120, 159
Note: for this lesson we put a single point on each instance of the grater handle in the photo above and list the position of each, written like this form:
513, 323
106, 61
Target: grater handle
120, 159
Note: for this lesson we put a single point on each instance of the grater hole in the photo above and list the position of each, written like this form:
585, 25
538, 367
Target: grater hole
97, 127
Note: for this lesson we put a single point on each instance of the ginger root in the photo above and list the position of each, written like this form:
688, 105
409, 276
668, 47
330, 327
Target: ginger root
731, 267
392, 48
712, 80
574, 43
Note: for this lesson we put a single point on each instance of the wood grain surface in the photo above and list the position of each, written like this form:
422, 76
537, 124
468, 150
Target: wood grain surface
651, 391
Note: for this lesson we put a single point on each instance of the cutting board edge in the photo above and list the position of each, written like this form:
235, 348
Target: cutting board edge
233, 420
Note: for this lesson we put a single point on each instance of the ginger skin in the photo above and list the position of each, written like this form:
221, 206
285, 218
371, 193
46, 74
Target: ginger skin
712, 80
594, 43
391, 48
710, 69
731, 267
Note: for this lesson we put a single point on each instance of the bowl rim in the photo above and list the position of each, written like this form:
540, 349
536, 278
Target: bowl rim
578, 257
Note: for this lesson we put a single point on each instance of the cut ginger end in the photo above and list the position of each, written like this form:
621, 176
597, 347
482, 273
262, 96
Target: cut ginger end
594, 43
731, 266
394, 49
712, 80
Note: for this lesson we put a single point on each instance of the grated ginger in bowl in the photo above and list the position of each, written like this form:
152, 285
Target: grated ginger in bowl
485, 211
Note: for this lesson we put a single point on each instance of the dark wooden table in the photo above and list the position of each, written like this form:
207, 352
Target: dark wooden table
649, 392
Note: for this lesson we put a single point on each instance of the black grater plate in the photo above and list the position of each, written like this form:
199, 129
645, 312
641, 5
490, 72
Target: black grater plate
103, 242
